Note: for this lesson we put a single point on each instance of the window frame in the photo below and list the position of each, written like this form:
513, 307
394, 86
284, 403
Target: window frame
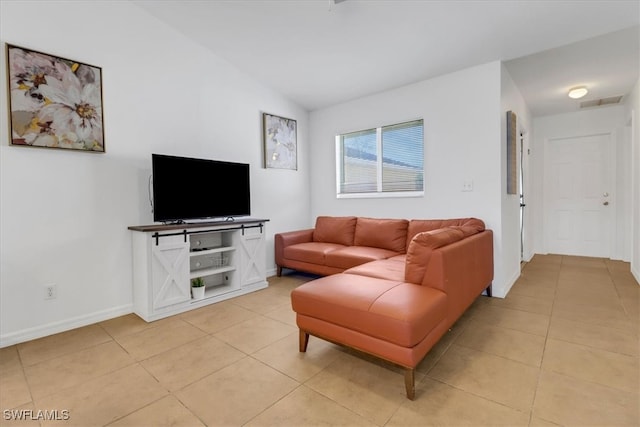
379, 165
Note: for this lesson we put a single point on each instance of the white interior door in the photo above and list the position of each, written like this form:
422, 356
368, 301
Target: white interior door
578, 196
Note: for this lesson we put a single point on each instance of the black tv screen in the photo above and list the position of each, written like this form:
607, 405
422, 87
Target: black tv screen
186, 188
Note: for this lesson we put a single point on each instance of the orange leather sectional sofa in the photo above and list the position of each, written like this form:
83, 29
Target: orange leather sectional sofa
393, 287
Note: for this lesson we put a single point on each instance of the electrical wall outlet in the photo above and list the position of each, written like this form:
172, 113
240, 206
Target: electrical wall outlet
467, 185
50, 291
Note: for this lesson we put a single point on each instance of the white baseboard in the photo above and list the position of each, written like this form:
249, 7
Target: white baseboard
508, 285
636, 274
528, 257
63, 325
271, 272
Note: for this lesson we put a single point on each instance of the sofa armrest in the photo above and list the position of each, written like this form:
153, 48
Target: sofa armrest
462, 270
282, 240
421, 248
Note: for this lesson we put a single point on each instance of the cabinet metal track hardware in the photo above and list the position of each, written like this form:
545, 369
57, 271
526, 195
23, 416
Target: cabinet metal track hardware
184, 233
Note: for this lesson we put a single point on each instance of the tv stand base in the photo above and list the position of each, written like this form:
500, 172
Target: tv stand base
166, 258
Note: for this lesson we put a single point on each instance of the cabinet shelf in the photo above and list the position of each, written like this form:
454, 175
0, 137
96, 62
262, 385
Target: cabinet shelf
218, 250
215, 291
210, 271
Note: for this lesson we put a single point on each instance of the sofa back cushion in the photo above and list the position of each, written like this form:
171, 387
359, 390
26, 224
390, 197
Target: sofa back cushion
468, 226
388, 234
335, 229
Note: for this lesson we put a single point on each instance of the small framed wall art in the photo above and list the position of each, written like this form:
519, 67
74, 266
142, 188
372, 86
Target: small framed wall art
280, 142
54, 102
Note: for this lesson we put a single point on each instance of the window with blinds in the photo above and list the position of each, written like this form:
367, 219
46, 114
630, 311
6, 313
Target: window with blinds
386, 161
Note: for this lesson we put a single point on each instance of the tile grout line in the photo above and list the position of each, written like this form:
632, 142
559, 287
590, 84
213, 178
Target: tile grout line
299, 383
544, 348
62, 354
477, 395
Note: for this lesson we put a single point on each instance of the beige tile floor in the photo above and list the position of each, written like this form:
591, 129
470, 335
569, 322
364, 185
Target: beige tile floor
561, 349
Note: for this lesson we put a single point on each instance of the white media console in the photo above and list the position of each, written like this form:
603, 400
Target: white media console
228, 255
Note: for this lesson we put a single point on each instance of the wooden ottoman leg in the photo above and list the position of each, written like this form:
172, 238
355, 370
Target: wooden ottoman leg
489, 291
278, 271
410, 383
304, 340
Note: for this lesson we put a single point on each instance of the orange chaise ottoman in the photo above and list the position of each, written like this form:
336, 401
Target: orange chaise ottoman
393, 320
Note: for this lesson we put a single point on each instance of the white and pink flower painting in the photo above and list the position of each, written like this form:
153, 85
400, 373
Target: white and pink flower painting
55, 102
280, 142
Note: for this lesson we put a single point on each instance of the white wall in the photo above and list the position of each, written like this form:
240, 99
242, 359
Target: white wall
512, 100
462, 137
64, 215
604, 120
632, 119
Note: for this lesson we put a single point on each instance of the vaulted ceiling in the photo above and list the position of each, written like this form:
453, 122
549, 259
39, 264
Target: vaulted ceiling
321, 52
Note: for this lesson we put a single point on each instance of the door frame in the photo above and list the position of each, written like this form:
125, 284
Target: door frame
612, 211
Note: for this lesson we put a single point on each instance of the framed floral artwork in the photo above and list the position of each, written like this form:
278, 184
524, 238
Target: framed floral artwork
280, 142
54, 102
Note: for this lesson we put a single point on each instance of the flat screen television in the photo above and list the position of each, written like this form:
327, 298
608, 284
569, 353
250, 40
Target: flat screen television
186, 188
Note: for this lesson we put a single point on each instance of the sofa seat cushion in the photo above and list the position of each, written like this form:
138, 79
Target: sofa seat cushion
311, 252
390, 269
397, 312
351, 256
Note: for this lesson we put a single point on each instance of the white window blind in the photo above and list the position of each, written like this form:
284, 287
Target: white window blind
387, 159
359, 162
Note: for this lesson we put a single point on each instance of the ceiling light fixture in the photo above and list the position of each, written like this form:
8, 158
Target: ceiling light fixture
578, 92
